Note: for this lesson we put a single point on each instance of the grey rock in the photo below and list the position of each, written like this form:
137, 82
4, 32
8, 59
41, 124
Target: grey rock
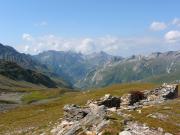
125, 133
109, 101
168, 134
159, 116
74, 112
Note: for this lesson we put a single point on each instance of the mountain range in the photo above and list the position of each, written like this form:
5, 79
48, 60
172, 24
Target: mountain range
71, 69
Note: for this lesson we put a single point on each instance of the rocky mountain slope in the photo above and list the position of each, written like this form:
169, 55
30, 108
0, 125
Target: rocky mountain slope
73, 66
10, 54
30, 64
98, 69
15, 72
136, 68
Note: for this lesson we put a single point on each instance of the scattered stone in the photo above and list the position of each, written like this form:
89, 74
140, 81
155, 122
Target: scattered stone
162, 93
113, 109
90, 119
167, 108
139, 111
135, 128
159, 116
168, 134
160, 129
93, 118
125, 133
125, 100
74, 112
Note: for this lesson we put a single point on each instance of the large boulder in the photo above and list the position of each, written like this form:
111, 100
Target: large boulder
109, 101
132, 98
162, 93
169, 91
74, 112
90, 119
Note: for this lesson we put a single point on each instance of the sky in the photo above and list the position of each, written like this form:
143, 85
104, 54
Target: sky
118, 27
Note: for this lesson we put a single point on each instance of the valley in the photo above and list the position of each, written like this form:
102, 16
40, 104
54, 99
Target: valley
89, 67
41, 118
35, 88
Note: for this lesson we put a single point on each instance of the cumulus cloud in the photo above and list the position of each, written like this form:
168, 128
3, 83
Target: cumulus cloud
111, 44
172, 36
123, 46
157, 26
27, 37
176, 21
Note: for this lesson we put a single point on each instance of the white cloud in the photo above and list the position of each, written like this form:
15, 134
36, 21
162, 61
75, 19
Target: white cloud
172, 36
110, 44
157, 26
26, 48
27, 37
176, 21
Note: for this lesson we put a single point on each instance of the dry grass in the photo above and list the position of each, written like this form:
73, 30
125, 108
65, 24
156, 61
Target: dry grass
42, 117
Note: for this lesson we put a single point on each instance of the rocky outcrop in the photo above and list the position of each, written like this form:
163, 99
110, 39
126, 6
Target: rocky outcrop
86, 120
74, 112
131, 98
138, 99
108, 101
93, 118
164, 92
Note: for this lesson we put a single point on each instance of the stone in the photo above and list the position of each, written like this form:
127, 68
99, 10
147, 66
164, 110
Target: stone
113, 109
139, 111
157, 115
162, 93
170, 91
125, 133
109, 101
136, 128
160, 129
93, 118
167, 108
74, 112
168, 134
132, 100
97, 110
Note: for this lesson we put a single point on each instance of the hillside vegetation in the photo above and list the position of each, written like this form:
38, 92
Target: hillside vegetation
15, 72
37, 118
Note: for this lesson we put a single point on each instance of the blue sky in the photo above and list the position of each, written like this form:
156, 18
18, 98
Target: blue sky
119, 27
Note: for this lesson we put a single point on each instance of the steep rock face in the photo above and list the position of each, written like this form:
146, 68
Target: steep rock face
74, 66
162, 67
8, 53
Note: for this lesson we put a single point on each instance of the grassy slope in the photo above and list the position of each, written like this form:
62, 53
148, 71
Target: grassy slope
170, 124
39, 117
8, 85
164, 78
40, 95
